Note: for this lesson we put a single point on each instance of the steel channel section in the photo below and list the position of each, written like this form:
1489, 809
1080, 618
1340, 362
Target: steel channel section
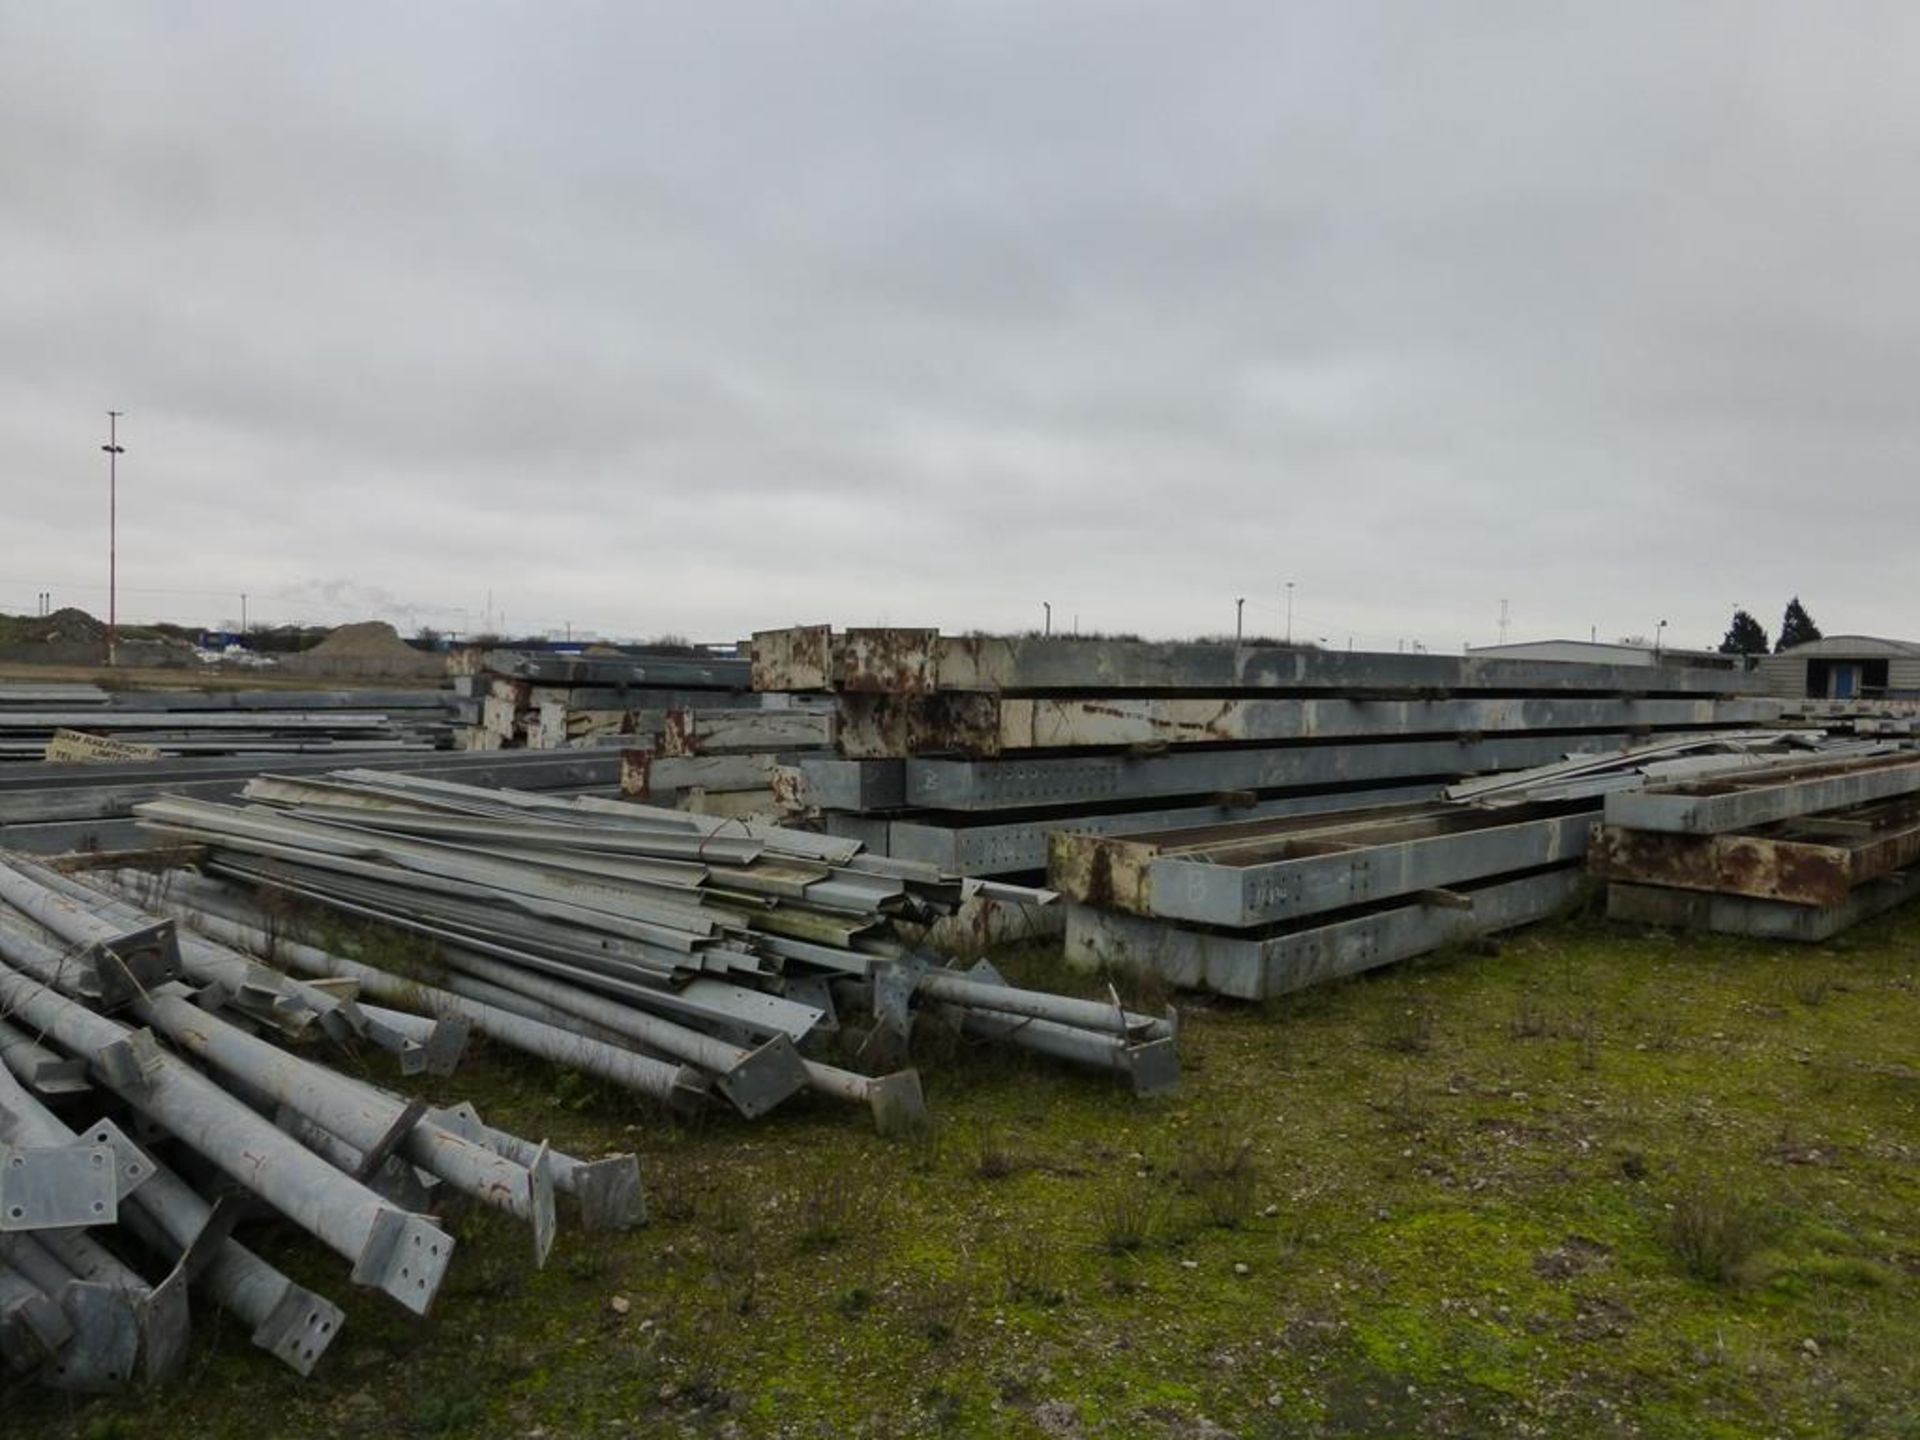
674, 1084
46, 1071
886, 725
1251, 967
916, 661
1738, 808
1184, 888
1021, 846
1002, 784
400, 1254
1756, 919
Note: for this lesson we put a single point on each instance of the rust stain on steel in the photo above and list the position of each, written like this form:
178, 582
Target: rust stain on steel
886, 661
789, 787
636, 773
1751, 865
676, 734
876, 726
800, 658
1101, 870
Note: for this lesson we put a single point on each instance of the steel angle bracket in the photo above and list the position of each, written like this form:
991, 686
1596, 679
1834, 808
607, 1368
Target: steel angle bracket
540, 1205
58, 1077
764, 1077
57, 1187
817, 991
406, 1257
610, 1194
133, 963
299, 1328
33, 1331
164, 1325
1153, 1067
898, 1103
446, 1045
105, 1345
377, 1154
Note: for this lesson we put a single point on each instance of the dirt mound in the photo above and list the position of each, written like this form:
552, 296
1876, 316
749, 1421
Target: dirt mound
66, 626
370, 637
372, 648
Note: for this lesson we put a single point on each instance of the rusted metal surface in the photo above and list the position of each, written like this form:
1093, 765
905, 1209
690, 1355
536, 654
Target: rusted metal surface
636, 773
879, 726
1793, 867
800, 658
1108, 871
734, 732
886, 661
904, 661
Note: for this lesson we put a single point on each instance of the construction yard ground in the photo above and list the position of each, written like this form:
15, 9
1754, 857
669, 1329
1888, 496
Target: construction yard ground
1604, 1182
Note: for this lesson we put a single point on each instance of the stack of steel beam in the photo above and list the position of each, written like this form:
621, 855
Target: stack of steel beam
186, 1042
50, 809
37, 723
734, 951
1263, 907
965, 752
520, 700
726, 762
1795, 853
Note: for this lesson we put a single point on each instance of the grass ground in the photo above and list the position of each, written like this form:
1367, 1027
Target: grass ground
1603, 1182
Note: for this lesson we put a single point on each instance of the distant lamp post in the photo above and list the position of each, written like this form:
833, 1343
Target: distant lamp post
1047, 623
1239, 613
1659, 634
114, 450
1289, 612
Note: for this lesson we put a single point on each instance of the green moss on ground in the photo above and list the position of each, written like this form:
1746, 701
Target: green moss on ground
1445, 1199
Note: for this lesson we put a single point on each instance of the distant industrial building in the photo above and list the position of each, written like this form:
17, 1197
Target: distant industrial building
1593, 652
1845, 667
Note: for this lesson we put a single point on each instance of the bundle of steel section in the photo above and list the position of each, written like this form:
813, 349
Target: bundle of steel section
160, 724
722, 947
1796, 853
53, 809
520, 700
175, 1029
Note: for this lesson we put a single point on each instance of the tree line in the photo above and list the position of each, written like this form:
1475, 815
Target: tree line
1747, 636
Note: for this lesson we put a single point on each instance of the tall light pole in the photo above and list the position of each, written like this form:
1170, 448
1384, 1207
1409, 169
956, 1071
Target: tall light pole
1239, 611
1289, 612
114, 450
1659, 634
1047, 627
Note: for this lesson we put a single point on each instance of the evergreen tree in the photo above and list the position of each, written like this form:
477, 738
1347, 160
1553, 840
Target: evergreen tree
1745, 636
1796, 626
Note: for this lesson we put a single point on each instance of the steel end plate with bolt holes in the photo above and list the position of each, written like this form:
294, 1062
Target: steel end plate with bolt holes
57, 1187
406, 1257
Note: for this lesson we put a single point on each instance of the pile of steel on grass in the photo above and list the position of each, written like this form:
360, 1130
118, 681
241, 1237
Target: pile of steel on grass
51, 809
118, 1024
1785, 853
85, 722
965, 752
726, 950
1263, 907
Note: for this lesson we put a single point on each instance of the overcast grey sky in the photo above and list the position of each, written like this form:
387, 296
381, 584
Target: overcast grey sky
702, 319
